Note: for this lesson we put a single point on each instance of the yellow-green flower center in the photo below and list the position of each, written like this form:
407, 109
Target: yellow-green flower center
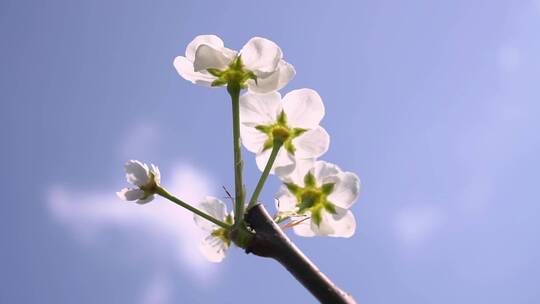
280, 131
312, 198
235, 74
222, 233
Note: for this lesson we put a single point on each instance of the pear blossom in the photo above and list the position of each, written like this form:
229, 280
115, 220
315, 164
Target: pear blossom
318, 194
258, 65
215, 245
295, 118
145, 178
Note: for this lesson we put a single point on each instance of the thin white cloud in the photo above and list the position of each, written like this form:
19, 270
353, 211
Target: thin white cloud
416, 225
158, 291
161, 231
140, 141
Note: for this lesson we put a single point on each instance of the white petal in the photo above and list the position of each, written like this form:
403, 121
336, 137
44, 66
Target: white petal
274, 81
345, 190
325, 172
137, 173
207, 57
129, 194
303, 228
213, 207
341, 224
260, 109
145, 200
213, 248
312, 144
284, 162
301, 168
184, 67
261, 55
304, 108
157, 174
252, 138
211, 40
285, 200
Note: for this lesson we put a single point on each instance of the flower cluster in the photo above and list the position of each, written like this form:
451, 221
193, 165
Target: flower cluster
283, 132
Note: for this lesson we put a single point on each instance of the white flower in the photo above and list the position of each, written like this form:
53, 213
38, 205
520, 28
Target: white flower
297, 117
214, 246
146, 179
319, 194
260, 56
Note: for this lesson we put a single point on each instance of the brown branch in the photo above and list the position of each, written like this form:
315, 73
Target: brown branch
270, 241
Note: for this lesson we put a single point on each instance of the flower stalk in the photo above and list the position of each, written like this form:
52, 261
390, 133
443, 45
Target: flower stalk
164, 193
278, 143
234, 91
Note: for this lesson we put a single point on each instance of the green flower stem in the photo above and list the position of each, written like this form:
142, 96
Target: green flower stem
164, 193
260, 184
234, 91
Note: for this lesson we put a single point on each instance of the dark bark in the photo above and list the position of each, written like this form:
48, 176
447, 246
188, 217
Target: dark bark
270, 241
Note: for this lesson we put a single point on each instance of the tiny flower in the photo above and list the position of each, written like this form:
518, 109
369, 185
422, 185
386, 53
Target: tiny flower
214, 246
319, 194
258, 66
294, 120
146, 179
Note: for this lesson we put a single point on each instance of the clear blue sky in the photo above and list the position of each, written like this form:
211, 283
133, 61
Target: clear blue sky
434, 104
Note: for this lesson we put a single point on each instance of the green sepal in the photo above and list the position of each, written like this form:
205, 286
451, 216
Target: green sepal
264, 129
219, 82
282, 118
249, 75
289, 147
294, 189
330, 207
297, 132
309, 180
215, 72
316, 216
328, 188
236, 64
269, 143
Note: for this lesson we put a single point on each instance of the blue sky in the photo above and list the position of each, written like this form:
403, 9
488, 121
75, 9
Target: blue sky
433, 104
